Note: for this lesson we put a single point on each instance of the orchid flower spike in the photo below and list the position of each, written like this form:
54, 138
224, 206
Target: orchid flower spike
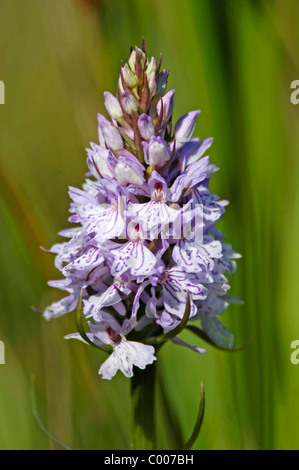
145, 242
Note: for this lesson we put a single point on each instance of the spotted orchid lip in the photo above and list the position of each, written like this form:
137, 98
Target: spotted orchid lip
113, 335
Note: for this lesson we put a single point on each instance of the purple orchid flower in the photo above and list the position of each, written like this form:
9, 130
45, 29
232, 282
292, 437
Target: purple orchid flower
146, 243
125, 355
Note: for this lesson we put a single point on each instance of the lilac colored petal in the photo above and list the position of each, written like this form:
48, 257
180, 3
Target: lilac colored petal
194, 258
103, 221
130, 157
62, 284
175, 192
101, 162
70, 232
129, 103
167, 102
120, 308
184, 128
55, 310
168, 321
109, 368
153, 217
134, 257
81, 197
108, 135
79, 337
107, 320
227, 263
125, 355
136, 302
195, 174
138, 191
154, 180
92, 258
212, 208
212, 170
146, 127
212, 305
66, 305
157, 152
151, 305
128, 171
192, 151
67, 252
95, 303
197, 171
141, 354
112, 105
217, 332
175, 287
180, 342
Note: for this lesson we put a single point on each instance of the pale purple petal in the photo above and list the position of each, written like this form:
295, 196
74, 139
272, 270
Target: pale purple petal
180, 342
109, 368
167, 102
157, 152
128, 171
184, 128
146, 127
217, 332
193, 150
108, 135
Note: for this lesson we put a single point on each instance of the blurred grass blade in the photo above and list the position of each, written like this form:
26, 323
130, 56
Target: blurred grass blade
199, 420
38, 420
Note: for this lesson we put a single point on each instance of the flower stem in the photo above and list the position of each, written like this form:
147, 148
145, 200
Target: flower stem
143, 423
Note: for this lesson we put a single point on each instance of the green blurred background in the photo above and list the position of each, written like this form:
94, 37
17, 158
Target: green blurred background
233, 60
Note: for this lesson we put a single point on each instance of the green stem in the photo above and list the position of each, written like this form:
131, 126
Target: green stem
143, 424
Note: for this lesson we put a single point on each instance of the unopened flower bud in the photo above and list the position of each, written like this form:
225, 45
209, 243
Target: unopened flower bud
108, 135
137, 55
157, 152
152, 67
101, 161
152, 84
120, 87
146, 126
129, 76
167, 102
113, 107
129, 103
184, 128
151, 76
128, 172
161, 82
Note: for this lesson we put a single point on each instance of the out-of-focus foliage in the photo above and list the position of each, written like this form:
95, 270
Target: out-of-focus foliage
234, 61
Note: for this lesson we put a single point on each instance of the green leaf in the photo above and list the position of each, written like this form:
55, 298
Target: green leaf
200, 416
